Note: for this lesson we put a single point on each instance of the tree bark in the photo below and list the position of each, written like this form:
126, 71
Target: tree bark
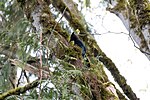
135, 16
39, 14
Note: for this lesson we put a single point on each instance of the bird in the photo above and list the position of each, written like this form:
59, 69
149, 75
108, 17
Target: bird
78, 42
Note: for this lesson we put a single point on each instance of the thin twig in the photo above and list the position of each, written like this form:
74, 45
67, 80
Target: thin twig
40, 68
25, 75
12, 83
111, 32
56, 24
20, 78
136, 46
131, 36
55, 27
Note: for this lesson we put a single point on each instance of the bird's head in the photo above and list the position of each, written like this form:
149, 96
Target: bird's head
74, 37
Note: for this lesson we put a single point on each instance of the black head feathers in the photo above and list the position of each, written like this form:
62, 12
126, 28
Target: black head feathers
78, 42
74, 37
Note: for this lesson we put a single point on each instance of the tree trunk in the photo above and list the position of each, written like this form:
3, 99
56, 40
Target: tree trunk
93, 82
136, 17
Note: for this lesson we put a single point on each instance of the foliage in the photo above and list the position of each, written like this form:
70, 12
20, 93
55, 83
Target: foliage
68, 78
17, 36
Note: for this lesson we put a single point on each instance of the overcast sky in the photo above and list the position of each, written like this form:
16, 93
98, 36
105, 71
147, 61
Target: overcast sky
118, 46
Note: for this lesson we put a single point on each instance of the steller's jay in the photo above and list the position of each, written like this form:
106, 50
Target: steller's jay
78, 42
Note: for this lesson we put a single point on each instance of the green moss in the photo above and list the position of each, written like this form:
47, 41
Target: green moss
120, 6
19, 90
50, 24
97, 68
133, 20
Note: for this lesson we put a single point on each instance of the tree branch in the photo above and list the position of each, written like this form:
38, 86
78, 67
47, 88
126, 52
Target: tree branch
19, 90
94, 49
30, 68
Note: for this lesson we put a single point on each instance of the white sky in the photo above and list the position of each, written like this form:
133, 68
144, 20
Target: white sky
133, 65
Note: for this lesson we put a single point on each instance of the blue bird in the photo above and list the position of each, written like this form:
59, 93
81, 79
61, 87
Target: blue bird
78, 42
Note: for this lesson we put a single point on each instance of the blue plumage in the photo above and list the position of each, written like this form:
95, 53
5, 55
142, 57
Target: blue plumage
78, 42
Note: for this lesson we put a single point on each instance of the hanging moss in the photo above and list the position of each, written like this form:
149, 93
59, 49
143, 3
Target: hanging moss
121, 5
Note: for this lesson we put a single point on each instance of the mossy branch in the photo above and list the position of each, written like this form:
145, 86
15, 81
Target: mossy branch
30, 68
19, 90
94, 50
92, 47
118, 77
